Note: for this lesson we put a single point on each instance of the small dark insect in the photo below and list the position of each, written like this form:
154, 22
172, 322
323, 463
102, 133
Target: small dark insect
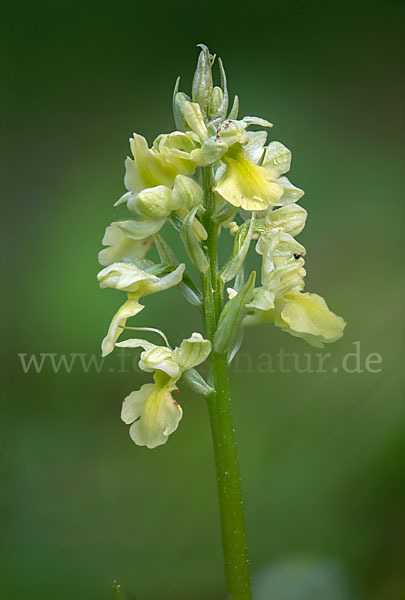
297, 256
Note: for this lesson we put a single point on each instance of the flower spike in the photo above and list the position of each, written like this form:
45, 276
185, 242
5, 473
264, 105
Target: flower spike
216, 173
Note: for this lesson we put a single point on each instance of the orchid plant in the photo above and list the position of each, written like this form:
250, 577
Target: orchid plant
211, 176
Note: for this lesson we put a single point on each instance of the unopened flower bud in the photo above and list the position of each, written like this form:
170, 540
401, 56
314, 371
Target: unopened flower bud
186, 193
202, 81
154, 203
216, 100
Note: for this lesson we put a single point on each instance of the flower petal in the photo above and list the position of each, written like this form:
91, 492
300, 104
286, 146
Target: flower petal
126, 277
160, 358
157, 416
257, 121
232, 132
290, 192
148, 168
130, 278
262, 299
290, 217
192, 352
254, 147
211, 151
187, 193
121, 247
195, 120
134, 404
277, 157
307, 316
135, 343
176, 149
246, 184
153, 203
170, 280
141, 229
129, 309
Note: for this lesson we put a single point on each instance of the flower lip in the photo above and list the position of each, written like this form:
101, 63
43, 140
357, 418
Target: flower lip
152, 413
247, 185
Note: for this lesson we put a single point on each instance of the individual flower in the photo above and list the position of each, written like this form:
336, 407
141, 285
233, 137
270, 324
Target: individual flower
301, 314
156, 204
151, 411
281, 300
150, 168
137, 283
245, 184
176, 149
123, 245
251, 176
151, 174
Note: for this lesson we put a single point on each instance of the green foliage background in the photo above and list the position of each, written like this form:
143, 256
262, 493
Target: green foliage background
321, 453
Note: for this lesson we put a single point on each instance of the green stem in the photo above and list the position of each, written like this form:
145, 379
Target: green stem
219, 405
212, 242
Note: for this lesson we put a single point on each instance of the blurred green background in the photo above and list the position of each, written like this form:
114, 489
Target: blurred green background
321, 453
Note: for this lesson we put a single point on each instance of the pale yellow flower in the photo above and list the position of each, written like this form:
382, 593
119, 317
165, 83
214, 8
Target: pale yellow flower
170, 156
151, 411
247, 185
138, 283
281, 300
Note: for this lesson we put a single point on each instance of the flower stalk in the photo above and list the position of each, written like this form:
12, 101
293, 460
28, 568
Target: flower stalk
233, 530
223, 434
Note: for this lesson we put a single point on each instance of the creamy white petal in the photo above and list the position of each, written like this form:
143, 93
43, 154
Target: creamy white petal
290, 192
136, 343
160, 358
254, 147
156, 417
257, 121
129, 309
308, 316
277, 157
290, 217
126, 277
134, 404
192, 351
121, 247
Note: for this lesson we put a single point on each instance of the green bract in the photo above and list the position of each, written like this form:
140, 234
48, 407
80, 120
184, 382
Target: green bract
214, 173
